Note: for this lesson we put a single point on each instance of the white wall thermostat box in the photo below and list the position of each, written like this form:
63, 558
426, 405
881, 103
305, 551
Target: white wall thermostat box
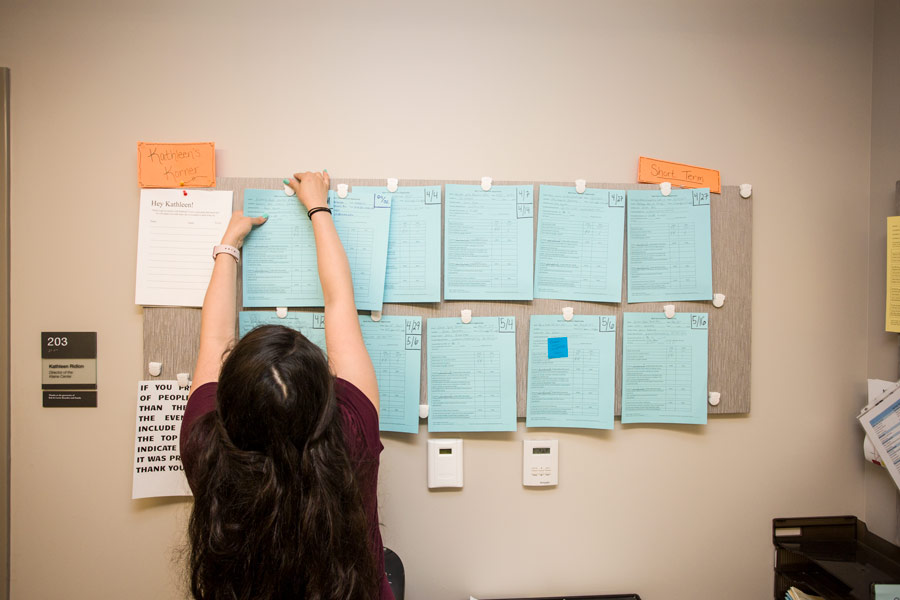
445, 463
540, 462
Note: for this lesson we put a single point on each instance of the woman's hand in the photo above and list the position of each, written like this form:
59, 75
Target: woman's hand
311, 188
239, 227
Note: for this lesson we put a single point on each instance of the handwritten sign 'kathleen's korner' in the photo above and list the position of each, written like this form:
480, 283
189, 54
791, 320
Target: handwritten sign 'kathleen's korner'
176, 165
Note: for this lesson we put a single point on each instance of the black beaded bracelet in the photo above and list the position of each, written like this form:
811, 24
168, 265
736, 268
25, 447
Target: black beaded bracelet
316, 209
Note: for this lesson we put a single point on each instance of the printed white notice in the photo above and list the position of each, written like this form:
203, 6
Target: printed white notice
176, 235
157, 460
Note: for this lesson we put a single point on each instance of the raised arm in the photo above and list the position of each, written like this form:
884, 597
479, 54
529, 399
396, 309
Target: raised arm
217, 319
347, 353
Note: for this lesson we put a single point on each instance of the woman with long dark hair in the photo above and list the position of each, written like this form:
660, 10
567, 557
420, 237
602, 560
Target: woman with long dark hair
281, 445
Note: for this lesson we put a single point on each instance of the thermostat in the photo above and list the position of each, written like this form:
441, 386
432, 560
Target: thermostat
445, 463
540, 463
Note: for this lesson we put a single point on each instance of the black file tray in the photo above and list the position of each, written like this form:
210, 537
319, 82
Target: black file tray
833, 557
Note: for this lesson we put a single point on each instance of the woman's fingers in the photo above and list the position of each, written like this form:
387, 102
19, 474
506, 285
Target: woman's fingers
311, 188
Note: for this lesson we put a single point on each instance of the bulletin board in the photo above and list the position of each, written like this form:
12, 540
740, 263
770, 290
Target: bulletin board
171, 335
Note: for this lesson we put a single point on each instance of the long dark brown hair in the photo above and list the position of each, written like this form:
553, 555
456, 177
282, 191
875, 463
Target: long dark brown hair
277, 509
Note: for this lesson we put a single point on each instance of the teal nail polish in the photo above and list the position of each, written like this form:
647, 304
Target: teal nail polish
324, 170
286, 181
266, 216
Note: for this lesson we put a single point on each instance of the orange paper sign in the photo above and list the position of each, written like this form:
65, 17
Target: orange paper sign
176, 165
651, 170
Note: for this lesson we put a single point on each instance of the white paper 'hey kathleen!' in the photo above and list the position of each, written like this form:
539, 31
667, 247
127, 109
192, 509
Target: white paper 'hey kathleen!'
176, 235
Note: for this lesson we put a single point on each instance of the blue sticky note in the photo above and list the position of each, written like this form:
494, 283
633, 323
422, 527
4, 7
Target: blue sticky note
557, 347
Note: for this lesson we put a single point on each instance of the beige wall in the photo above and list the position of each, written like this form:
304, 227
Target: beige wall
777, 93
881, 493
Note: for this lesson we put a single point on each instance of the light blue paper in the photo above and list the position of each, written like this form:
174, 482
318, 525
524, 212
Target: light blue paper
488, 242
886, 591
664, 368
579, 244
279, 258
414, 246
311, 325
669, 246
363, 223
280, 267
395, 346
472, 374
579, 390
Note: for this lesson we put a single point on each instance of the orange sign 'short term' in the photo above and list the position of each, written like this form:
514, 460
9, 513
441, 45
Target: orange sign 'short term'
176, 165
651, 170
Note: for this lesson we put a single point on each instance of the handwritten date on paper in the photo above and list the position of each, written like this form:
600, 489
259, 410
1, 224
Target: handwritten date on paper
176, 165
652, 170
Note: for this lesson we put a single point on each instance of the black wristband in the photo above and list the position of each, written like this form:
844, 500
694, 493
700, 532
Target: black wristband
316, 209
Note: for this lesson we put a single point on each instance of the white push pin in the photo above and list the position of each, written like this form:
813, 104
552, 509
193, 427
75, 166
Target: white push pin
669, 310
746, 190
423, 411
568, 313
182, 379
666, 188
714, 398
155, 368
375, 315
718, 300
486, 183
342, 190
580, 185
392, 184
281, 311
465, 315
289, 191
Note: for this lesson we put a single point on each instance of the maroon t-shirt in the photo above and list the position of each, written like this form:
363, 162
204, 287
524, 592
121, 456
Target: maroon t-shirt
360, 424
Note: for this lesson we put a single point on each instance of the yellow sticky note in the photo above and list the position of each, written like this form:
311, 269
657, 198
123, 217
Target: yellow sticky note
652, 170
892, 302
176, 165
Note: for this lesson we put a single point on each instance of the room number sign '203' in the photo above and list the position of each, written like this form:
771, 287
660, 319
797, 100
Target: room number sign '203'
69, 369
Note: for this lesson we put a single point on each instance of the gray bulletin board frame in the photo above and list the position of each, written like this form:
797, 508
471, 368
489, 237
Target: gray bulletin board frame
171, 334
